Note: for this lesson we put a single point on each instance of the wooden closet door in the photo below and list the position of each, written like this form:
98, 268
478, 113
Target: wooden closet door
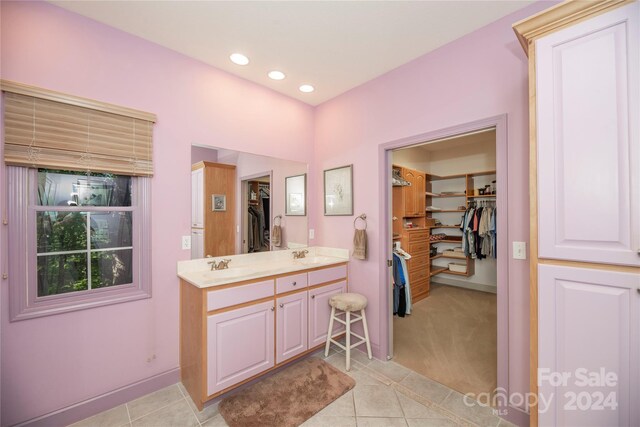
410, 205
588, 126
420, 194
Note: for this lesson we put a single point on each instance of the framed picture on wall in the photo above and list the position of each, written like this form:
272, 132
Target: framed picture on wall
218, 202
338, 191
295, 190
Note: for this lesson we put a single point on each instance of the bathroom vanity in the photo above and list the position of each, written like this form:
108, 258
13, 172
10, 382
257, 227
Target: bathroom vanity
263, 311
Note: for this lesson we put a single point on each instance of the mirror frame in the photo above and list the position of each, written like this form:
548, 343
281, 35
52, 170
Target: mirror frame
287, 204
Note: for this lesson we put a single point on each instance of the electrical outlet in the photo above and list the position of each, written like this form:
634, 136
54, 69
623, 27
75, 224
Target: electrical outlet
186, 242
312, 233
519, 250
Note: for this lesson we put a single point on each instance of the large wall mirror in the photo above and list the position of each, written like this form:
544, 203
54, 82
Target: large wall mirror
238, 198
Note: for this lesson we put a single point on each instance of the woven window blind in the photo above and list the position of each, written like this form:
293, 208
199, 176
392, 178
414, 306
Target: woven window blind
44, 133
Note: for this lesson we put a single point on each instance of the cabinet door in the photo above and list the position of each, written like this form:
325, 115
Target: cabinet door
410, 207
587, 91
588, 325
320, 312
240, 345
420, 194
291, 326
197, 244
197, 198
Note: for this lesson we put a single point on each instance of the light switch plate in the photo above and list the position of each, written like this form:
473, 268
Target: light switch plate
186, 242
519, 250
312, 233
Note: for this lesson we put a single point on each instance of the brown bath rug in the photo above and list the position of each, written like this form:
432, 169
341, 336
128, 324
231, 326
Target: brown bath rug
287, 398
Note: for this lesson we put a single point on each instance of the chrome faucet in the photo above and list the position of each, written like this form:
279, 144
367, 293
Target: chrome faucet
221, 265
299, 254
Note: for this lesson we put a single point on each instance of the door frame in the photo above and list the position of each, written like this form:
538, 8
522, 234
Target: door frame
244, 205
499, 122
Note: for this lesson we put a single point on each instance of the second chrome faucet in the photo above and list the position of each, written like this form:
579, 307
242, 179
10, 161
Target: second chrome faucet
220, 265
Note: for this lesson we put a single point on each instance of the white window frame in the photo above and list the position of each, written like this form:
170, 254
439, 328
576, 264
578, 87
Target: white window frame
24, 301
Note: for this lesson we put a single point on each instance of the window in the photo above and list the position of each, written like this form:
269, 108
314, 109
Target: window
87, 240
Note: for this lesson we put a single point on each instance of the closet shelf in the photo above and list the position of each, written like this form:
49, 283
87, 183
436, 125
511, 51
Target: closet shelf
448, 257
446, 241
444, 226
462, 175
447, 195
481, 197
437, 270
448, 210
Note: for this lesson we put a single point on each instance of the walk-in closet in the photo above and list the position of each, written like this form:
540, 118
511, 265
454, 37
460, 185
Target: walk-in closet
444, 225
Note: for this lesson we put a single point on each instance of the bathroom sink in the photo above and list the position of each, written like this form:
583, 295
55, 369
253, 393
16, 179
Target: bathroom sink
226, 273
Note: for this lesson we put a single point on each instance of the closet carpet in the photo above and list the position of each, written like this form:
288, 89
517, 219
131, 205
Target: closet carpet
451, 338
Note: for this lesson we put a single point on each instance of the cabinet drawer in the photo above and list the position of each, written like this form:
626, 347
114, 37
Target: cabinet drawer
327, 275
418, 235
421, 246
418, 274
291, 283
239, 294
419, 287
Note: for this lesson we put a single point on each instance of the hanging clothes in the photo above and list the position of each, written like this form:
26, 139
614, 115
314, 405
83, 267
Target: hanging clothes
401, 286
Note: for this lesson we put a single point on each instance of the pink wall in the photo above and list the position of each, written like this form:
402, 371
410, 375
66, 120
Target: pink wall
60, 360
480, 75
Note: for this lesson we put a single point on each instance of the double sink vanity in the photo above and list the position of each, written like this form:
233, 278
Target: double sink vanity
254, 313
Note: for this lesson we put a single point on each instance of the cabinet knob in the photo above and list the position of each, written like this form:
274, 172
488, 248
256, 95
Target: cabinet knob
281, 305
273, 308
313, 296
294, 283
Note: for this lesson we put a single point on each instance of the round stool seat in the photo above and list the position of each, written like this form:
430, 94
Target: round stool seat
348, 302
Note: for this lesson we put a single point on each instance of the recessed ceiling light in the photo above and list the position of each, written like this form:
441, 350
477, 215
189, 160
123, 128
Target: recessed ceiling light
276, 75
238, 58
306, 88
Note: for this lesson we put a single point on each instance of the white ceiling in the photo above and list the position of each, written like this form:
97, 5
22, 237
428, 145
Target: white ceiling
333, 45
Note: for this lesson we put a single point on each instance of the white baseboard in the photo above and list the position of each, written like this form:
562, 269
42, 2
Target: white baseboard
467, 285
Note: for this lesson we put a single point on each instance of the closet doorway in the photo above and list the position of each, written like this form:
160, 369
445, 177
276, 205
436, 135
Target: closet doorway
447, 285
256, 213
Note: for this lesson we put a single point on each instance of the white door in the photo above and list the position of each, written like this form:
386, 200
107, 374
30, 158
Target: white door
587, 91
588, 347
197, 198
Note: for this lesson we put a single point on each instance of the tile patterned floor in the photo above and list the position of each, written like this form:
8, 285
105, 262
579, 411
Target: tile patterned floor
386, 394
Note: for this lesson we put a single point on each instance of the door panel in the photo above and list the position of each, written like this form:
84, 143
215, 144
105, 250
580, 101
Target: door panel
588, 151
240, 344
291, 330
588, 325
320, 312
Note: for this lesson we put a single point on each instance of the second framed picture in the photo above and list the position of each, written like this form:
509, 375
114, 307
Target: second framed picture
338, 191
295, 193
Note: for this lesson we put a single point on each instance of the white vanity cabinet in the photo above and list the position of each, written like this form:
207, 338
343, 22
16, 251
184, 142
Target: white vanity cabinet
233, 333
197, 198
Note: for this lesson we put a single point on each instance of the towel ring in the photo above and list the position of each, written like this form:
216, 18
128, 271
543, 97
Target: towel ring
363, 217
277, 217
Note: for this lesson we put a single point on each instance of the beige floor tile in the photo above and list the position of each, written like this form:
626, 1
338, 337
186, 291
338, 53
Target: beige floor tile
381, 422
216, 421
505, 423
481, 415
425, 387
430, 422
339, 361
115, 417
390, 370
154, 401
341, 407
178, 414
317, 421
376, 401
210, 410
413, 409
360, 357
363, 378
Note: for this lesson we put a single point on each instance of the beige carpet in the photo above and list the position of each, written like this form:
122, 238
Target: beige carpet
451, 338
287, 398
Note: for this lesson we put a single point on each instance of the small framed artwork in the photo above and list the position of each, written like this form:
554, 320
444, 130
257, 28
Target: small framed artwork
338, 191
295, 190
219, 202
